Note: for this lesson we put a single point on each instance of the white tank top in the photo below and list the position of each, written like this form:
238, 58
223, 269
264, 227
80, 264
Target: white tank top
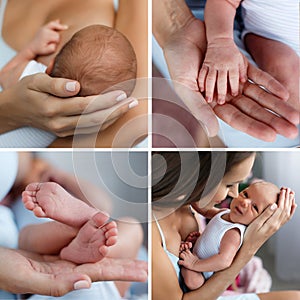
277, 20
208, 244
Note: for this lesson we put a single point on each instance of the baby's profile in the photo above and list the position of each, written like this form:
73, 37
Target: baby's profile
227, 227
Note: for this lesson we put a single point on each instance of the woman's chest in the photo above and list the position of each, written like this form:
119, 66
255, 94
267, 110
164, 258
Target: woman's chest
178, 231
22, 19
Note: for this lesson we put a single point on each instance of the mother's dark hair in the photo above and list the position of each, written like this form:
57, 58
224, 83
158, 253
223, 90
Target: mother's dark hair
184, 177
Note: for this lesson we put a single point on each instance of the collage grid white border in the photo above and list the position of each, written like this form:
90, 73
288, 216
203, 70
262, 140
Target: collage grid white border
149, 149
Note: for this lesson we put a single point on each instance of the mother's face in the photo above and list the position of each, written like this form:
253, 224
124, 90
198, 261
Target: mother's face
229, 184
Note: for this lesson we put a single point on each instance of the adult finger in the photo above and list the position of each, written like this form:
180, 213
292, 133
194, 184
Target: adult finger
221, 86
58, 285
199, 108
271, 102
260, 224
240, 121
259, 113
271, 84
284, 205
64, 126
86, 105
59, 87
116, 269
210, 83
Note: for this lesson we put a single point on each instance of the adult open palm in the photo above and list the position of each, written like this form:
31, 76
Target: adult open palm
249, 112
184, 53
48, 275
257, 112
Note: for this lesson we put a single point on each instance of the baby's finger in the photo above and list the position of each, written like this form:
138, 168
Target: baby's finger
54, 37
56, 25
50, 48
234, 82
210, 85
222, 86
201, 78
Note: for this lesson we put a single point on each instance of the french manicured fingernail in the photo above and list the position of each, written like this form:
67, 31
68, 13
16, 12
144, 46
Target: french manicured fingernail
273, 206
82, 284
121, 97
71, 86
133, 104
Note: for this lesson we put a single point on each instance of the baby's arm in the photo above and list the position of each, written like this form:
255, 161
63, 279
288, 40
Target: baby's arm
44, 42
228, 249
223, 59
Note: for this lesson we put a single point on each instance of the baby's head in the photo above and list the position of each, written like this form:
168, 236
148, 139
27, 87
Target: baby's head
252, 201
100, 58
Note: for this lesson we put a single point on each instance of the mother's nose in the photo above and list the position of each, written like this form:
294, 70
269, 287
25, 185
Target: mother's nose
234, 191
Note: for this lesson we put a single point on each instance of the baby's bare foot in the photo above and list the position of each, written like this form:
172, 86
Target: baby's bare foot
51, 200
92, 241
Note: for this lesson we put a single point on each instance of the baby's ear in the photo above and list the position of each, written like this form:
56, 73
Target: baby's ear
50, 67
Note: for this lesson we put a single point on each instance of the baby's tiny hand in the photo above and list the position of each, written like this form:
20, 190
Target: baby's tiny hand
185, 246
223, 65
187, 259
47, 38
192, 237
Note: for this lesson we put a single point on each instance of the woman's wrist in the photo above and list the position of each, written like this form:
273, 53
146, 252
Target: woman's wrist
7, 120
171, 17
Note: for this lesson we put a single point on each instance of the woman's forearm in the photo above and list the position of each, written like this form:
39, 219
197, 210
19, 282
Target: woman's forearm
219, 282
219, 18
169, 17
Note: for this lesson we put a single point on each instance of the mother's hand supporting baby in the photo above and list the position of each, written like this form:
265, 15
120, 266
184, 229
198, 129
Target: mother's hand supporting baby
274, 216
183, 40
49, 103
249, 112
48, 275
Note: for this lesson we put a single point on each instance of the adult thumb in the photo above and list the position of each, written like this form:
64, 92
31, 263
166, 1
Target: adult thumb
59, 87
59, 285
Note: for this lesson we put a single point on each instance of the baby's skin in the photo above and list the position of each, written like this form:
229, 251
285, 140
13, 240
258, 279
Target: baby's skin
96, 234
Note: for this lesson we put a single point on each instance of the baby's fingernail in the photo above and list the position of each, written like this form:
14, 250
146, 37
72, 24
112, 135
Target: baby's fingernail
273, 206
121, 97
71, 86
82, 284
133, 104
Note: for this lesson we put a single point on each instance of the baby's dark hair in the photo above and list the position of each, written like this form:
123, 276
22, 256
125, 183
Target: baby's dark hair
100, 58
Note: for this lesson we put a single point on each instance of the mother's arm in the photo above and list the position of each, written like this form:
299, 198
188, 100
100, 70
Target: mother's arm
257, 233
131, 20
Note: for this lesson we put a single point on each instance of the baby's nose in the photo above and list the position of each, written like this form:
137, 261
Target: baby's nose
246, 202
